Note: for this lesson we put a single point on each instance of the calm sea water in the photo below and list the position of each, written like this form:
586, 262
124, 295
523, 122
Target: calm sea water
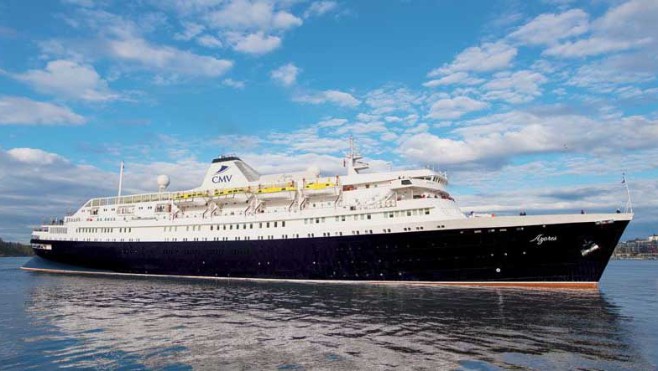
49, 320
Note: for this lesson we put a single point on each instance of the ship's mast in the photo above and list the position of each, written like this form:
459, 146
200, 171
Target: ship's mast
354, 166
629, 203
120, 181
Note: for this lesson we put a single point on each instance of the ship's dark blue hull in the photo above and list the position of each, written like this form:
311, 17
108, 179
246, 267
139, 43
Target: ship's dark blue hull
577, 252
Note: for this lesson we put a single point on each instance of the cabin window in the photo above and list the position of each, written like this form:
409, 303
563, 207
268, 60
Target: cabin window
406, 182
275, 224
283, 224
369, 216
267, 225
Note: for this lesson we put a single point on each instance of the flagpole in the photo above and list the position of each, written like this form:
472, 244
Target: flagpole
629, 204
120, 180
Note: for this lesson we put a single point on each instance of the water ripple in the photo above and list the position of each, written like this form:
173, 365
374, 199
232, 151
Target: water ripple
99, 322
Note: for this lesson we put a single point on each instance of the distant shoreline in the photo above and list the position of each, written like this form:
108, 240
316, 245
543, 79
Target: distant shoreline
14, 249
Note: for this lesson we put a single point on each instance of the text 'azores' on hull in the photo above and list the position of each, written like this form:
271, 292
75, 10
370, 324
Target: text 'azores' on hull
393, 227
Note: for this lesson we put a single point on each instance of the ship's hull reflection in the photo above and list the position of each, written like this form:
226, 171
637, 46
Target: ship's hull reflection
127, 322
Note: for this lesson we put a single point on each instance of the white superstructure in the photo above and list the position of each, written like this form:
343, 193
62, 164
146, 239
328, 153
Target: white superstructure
235, 202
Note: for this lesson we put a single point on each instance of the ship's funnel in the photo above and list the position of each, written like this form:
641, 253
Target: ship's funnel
228, 172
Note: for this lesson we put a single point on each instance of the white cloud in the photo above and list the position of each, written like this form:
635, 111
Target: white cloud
190, 31
457, 78
318, 8
603, 76
252, 15
329, 96
393, 99
307, 140
69, 79
592, 46
517, 87
631, 20
362, 128
209, 41
34, 156
254, 43
24, 111
234, 83
285, 75
168, 59
331, 123
452, 108
497, 138
550, 28
488, 57
629, 25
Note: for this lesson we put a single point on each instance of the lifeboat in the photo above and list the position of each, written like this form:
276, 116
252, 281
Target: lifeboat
276, 191
320, 189
191, 198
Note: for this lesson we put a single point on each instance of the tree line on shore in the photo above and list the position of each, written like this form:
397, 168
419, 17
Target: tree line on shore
14, 249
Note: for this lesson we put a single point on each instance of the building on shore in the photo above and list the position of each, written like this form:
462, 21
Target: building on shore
638, 248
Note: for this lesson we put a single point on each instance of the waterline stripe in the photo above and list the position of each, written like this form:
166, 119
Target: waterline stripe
570, 285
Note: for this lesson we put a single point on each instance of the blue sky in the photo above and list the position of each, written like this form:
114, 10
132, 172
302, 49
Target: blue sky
528, 105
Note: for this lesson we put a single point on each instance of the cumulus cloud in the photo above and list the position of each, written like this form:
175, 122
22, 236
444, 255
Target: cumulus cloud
391, 99
337, 97
497, 138
234, 83
318, 8
626, 26
452, 108
254, 43
285, 75
190, 31
209, 41
362, 128
168, 59
252, 15
488, 57
69, 79
331, 123
605, 75
549, 28
516, 87
457, 78
24, 111
592, 46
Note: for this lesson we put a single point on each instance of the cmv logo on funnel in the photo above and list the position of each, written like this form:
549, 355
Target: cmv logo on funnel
218, 178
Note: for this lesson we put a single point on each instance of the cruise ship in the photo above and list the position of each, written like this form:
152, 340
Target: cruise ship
396, 227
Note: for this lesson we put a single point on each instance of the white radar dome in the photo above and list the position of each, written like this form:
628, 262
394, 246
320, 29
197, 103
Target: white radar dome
163, 182
314, 170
